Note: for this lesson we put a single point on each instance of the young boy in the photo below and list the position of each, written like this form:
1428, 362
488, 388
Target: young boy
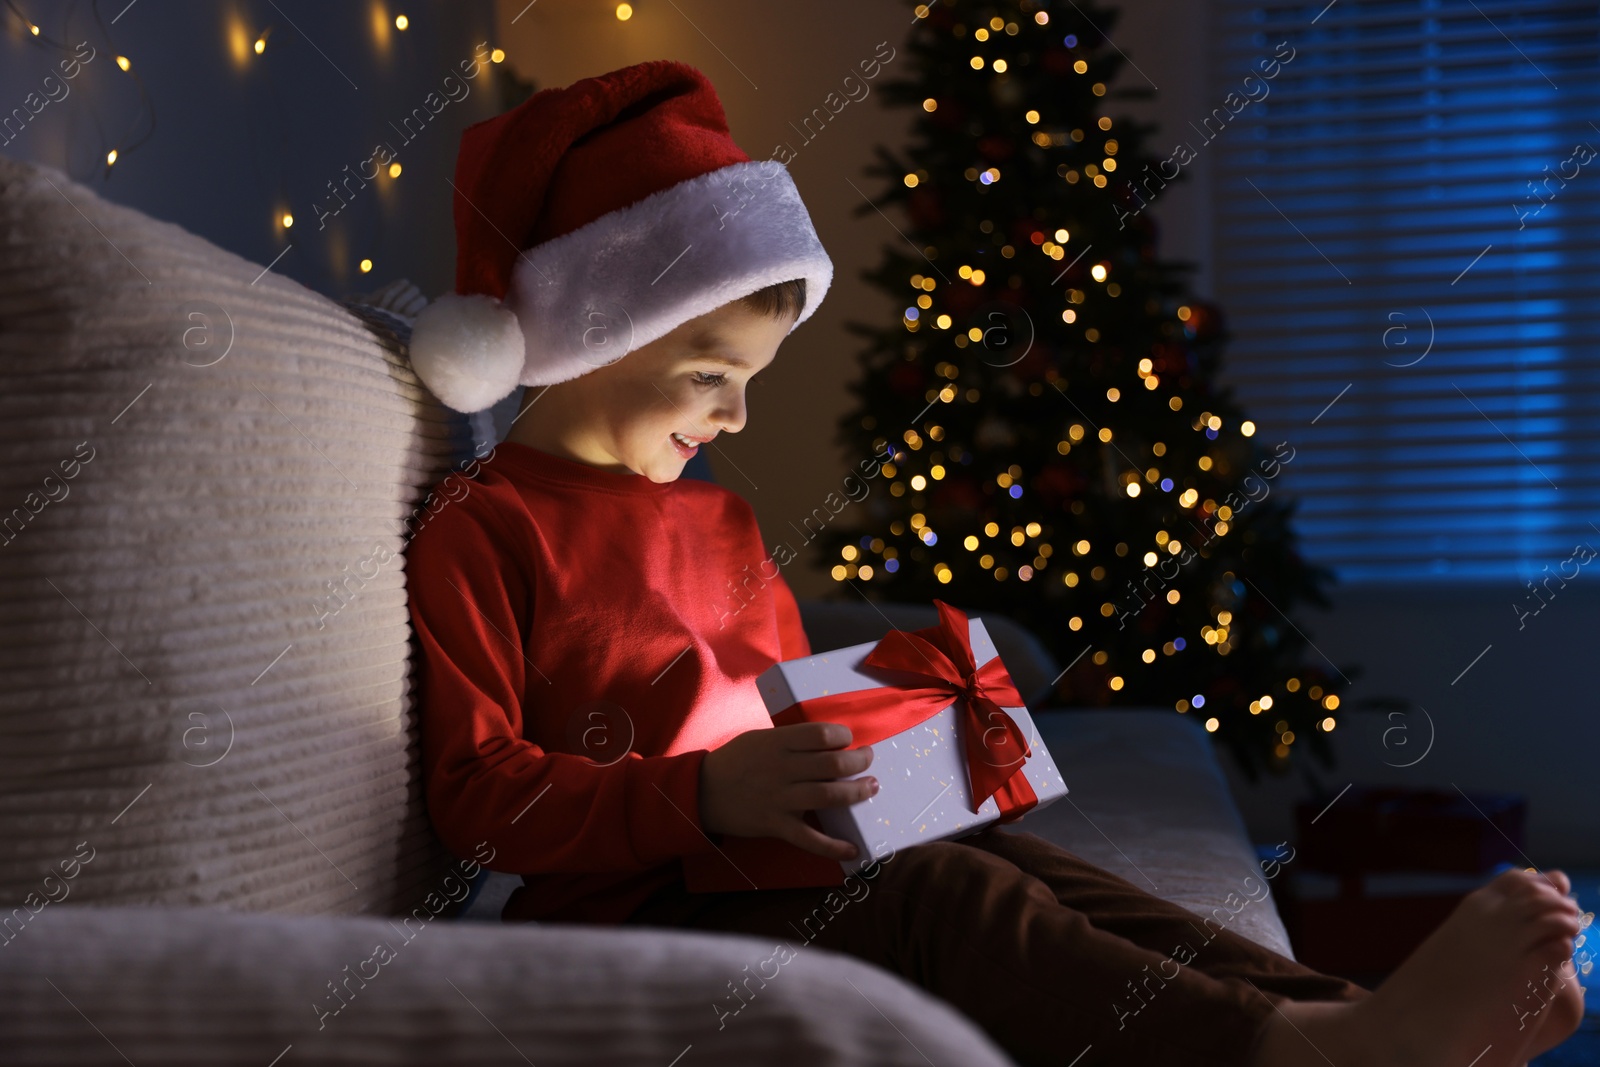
590, 711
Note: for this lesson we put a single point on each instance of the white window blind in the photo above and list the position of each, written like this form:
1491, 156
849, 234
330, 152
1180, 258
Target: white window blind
1420, 169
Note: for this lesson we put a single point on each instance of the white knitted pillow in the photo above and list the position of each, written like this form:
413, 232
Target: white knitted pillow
206, 476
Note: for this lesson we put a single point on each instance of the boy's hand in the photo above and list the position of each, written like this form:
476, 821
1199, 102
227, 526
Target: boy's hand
761, 782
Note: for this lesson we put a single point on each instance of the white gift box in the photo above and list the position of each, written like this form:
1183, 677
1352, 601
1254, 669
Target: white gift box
924, 792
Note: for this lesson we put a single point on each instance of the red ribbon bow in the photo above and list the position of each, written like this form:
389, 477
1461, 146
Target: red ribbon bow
942, 654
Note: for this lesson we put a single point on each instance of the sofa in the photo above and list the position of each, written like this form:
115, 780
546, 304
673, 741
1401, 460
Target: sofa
215, 848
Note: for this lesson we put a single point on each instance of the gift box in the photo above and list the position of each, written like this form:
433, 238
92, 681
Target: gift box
954, 751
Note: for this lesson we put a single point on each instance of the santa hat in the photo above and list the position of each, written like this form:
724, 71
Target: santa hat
592, 220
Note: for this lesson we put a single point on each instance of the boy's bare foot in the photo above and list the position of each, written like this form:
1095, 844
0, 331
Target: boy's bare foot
1460, 997
1555, 1000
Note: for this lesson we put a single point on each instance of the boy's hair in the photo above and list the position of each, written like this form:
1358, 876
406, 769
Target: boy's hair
779, 300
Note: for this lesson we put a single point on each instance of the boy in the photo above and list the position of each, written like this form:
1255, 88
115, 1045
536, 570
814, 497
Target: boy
590, 711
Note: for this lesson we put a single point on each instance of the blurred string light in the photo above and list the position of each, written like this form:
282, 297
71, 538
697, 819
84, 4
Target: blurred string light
624, 12
242, 45
112, 149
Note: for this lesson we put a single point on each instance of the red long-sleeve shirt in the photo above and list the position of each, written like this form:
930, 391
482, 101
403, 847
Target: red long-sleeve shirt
585, 638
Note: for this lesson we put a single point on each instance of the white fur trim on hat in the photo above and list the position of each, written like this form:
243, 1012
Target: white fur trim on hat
587, 298
468, 350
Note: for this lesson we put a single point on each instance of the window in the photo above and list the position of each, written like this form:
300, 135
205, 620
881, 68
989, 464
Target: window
1407, 254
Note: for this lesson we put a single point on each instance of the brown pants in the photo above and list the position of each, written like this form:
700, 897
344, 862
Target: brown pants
1059, 961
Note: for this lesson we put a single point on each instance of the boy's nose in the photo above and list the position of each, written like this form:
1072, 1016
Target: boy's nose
731, 415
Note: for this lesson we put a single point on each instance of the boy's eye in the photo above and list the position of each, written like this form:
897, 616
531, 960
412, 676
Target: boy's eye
708, 379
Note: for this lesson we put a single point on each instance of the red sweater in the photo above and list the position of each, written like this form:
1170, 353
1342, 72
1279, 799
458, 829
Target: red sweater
585, 638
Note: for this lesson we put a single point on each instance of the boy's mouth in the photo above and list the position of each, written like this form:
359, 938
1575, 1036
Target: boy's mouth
687, 446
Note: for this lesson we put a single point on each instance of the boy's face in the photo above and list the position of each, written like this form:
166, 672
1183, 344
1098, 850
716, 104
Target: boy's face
623, 416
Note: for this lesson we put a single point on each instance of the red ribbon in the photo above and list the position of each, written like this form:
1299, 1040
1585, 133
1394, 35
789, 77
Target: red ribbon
995, 745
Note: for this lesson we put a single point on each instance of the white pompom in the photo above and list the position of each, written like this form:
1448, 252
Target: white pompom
468, 350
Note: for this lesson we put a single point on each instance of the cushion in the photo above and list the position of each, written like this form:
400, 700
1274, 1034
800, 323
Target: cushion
207, 477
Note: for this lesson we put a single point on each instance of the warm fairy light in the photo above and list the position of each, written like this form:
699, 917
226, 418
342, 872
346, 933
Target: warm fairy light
1327, 725
261, 44
366, 265
401, 22
1041, 17
1032, 116
911, 181
1266, 703
33, 29
394, 170
1098, 271
930, 104
1211, 725
624, 12
122, 61
1330, 701
288, 220
111, 157
497, 56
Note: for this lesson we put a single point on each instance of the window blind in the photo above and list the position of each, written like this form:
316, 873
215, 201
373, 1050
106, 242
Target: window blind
1407, 255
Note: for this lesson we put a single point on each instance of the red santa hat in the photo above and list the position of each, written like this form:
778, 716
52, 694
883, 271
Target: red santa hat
592, 220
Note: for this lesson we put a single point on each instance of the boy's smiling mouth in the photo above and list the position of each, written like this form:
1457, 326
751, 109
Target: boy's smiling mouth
687, 446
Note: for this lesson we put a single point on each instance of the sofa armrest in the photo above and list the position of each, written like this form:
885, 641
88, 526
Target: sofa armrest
831, 624
200, 985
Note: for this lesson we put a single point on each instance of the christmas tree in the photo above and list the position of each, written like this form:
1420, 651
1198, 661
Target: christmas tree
1063, 454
